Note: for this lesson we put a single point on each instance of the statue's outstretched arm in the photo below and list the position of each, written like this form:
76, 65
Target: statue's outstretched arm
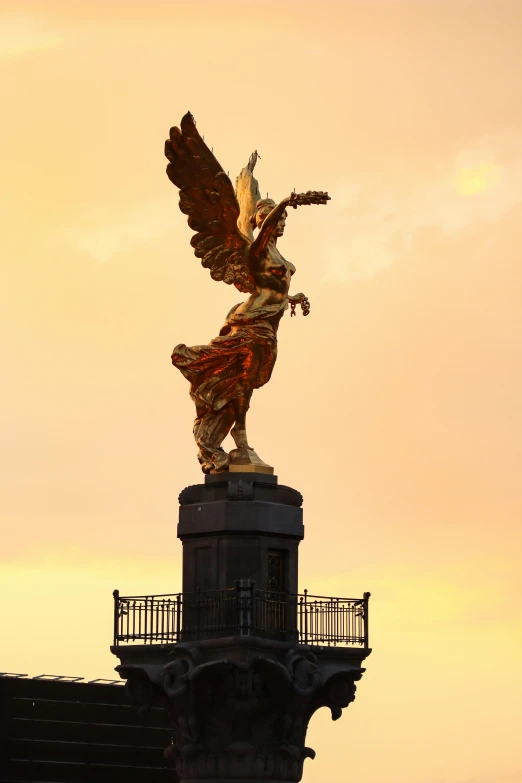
272, 219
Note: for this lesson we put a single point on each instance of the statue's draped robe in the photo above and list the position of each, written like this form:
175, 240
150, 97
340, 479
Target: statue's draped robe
232, 365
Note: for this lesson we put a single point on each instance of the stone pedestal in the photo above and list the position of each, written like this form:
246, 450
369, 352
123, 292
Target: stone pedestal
240, 526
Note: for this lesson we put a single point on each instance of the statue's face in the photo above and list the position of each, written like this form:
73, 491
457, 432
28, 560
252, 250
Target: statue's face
280, 228
260, 219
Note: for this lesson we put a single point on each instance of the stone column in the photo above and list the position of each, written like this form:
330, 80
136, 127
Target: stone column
238, 686
240, 707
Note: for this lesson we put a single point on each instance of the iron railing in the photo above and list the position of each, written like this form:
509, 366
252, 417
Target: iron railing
240, 611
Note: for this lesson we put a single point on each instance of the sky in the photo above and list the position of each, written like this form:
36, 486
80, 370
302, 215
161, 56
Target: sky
394, 407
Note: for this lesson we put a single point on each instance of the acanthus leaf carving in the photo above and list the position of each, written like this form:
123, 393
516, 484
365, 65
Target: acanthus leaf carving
243, 719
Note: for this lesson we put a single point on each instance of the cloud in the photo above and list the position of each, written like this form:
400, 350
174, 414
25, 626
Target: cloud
377, 218
510, 777
102, 235
429, 600
380, 216
24, 34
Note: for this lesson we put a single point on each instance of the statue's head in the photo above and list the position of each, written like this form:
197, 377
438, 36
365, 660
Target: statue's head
263, 208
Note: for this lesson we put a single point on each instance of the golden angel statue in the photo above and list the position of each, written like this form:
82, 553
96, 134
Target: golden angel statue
224, 373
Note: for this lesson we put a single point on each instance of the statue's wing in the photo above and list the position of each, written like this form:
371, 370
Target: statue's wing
208, 198
248, 194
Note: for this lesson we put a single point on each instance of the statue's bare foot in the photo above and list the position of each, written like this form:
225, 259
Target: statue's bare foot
220, 461
206, 464
240, 438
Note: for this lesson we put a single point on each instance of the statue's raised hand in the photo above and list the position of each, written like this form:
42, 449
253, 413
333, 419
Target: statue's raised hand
310, 197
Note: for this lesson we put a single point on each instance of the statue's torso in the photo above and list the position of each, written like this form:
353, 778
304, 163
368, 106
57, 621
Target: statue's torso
273, 277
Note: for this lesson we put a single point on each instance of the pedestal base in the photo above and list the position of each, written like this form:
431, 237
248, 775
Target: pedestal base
247, 461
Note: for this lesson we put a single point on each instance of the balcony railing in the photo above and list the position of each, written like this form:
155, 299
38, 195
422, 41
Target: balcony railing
240, 611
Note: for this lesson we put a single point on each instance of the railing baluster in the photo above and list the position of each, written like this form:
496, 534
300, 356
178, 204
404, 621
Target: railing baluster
366, 597
306, 617
178, 617
116, 595
162, 632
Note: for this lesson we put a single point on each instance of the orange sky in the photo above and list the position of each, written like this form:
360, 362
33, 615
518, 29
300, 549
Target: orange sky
395, 407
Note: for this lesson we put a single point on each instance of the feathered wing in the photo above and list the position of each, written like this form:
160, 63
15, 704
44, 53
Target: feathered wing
208, 198
248, 194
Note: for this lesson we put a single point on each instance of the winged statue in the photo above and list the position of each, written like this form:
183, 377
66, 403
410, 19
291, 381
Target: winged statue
224, 373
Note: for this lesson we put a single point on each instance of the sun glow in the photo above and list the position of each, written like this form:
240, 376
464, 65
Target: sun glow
476, 179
